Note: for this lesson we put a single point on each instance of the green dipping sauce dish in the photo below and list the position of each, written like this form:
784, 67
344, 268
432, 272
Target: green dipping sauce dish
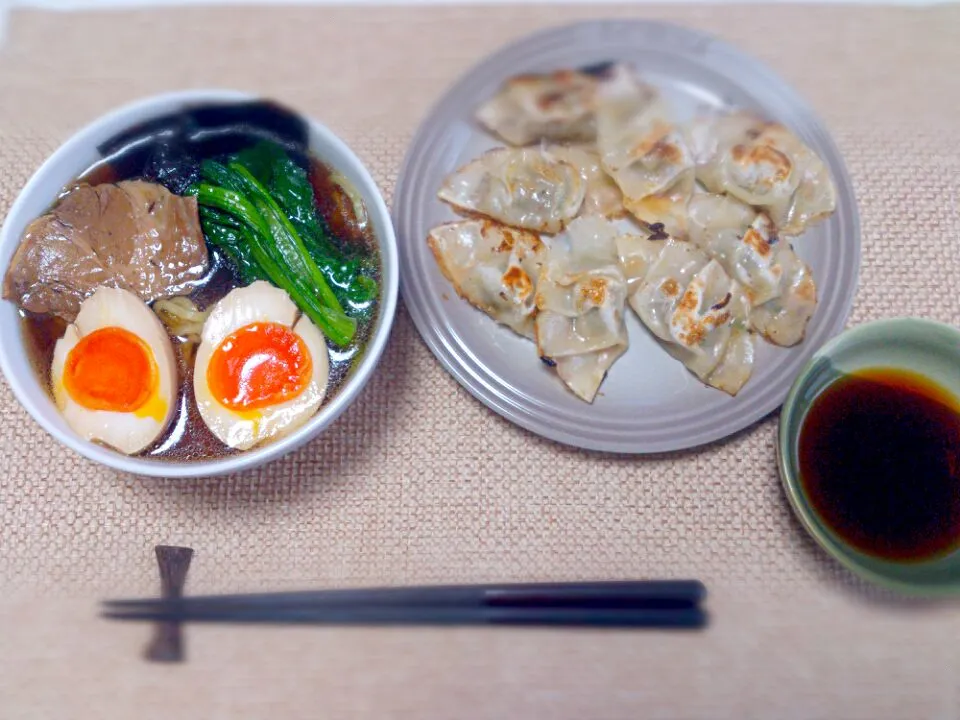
865, 476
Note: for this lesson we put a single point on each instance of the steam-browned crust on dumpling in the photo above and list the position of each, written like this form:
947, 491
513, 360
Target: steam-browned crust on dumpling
690, 304
493, 267
581, 293
645, 152
783, 321
765, 165
558, 106
780, 285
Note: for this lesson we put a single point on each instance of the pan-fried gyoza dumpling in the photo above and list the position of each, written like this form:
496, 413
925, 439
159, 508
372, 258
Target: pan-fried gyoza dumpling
740, 238
764, 165
522, 187
493, 267
580, 304
783, 320
589, 241
585, 373
556, 106
602, 197
689, 302
779, 284
644, 152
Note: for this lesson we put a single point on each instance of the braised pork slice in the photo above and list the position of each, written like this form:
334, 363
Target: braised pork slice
134, 235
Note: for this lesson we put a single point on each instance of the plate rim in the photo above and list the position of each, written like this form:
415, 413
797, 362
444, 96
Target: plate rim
479, 384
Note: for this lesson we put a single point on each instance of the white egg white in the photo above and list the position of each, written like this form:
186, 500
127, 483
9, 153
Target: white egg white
128, 432
259, 302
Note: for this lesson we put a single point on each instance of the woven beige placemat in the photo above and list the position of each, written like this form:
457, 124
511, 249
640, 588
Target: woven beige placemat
418, 482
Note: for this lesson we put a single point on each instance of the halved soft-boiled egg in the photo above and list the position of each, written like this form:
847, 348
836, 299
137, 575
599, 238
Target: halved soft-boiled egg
261, 369
114, 374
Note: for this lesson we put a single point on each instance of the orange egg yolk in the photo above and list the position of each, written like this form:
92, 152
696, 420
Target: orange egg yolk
259, 365
110, 369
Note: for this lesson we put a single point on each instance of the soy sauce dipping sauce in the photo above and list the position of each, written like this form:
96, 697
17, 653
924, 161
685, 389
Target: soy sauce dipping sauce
879, 455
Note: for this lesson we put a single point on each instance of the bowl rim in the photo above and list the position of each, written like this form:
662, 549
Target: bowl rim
145, 108
789, 475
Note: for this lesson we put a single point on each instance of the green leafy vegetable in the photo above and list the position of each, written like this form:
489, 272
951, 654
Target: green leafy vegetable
233, 240
288, 241
287, 182
255, 243
230, 202
258, 207
289, 185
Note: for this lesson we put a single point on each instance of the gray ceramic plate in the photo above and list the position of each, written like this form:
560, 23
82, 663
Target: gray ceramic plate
648, 402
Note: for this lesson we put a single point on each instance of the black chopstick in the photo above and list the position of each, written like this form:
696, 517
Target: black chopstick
629, 593
689, 617
649, 603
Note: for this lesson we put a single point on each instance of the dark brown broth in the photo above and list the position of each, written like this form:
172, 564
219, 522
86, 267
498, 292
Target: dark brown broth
188, 438
40, 335
879, 455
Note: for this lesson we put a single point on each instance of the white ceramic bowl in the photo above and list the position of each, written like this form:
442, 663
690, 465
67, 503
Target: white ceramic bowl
79, 153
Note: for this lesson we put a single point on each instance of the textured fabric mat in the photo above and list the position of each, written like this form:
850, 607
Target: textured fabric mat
418, 482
